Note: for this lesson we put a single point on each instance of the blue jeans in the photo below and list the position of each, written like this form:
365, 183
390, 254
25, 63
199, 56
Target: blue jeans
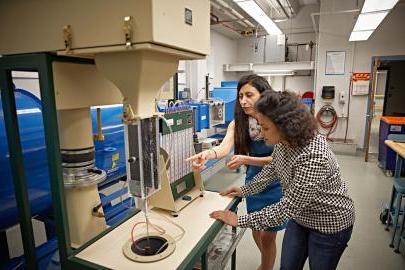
323, 250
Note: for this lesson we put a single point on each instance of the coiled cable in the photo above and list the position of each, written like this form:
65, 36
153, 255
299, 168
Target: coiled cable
327, 111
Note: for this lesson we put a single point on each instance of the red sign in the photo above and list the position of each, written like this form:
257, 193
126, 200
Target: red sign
361, 76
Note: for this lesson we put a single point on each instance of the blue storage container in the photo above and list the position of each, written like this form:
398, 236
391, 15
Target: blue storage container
233, 84
201, 116
228, 95
389, 125
308, 102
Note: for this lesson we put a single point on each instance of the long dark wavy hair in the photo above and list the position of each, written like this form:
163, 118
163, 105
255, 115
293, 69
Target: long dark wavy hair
287, 111
241, 137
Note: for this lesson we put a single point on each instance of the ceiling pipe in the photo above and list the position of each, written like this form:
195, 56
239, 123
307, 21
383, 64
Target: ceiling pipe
273, 6
231, 12
283, 9
240, 22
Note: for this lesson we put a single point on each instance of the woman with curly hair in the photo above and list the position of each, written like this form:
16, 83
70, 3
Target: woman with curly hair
315, 198
250, 149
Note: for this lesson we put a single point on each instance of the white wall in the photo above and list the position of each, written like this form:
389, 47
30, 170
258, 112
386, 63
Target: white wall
223, 51
297, 84
334, 32
27, 81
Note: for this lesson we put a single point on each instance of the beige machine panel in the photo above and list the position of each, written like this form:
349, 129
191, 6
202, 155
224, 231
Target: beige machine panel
81, 86
37, 26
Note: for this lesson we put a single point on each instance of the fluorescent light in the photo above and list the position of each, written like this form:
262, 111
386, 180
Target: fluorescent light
372, 14
276, 73
369, 21
378, 5
257, 13
360, 35
270, 70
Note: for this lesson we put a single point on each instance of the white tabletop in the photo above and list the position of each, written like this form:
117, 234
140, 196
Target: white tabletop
194, 219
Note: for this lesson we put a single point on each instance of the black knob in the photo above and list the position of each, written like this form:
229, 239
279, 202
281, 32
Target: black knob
97, 171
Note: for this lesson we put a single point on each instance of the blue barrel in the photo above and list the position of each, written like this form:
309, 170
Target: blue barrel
110, 155
35, 161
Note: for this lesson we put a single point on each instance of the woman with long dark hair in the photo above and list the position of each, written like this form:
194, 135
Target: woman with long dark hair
315, 198
250, 149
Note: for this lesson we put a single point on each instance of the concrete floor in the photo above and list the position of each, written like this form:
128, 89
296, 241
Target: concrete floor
368, 247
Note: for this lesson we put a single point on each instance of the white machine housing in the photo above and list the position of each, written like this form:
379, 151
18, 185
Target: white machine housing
136, 45
99, 25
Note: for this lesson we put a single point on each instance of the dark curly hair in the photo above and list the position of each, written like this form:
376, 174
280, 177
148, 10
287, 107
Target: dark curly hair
241, 137
286, 110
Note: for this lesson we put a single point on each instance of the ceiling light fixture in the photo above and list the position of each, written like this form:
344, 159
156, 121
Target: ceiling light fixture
371, 16
276, 73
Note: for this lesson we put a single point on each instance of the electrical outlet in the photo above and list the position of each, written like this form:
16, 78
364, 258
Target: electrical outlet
342, 97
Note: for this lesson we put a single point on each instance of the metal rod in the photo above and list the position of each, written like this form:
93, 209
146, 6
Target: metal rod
147, 222
99, 136
376, 64
176, 86
207, 86
228, 21
17, 167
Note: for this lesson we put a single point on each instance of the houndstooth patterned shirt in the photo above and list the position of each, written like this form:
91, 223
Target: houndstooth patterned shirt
314, 194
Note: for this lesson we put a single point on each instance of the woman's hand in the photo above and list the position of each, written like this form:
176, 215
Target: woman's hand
199, 160
236, 161
227, 217
232, 192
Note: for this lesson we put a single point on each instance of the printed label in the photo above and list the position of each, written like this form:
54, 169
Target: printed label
395, 128
181, 187
170, 122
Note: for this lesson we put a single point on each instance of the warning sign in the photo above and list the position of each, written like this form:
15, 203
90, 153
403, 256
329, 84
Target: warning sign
361, 83
361, 76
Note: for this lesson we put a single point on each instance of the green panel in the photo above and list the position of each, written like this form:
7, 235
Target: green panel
53, 153
183, 185
75, 263
178, 120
